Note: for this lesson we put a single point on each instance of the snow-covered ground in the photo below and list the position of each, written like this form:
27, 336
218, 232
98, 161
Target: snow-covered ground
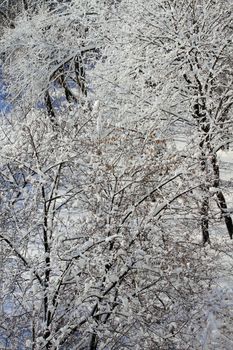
218, 334
226, 165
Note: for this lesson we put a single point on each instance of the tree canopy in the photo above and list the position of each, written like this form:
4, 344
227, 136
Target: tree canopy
111, 191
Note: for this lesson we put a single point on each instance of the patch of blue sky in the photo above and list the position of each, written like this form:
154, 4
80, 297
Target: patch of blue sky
57, 96
5, 106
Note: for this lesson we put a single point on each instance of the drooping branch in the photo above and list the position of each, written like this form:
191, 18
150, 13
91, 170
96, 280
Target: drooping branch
73, 68
22, 258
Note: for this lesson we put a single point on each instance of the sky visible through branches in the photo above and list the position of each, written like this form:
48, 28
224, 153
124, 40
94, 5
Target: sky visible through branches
4, 105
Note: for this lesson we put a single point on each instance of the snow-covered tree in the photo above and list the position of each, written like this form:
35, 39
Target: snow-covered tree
47, 54
174, 60
87, 260
95, 252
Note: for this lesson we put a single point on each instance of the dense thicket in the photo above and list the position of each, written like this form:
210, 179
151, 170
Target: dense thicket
105, 215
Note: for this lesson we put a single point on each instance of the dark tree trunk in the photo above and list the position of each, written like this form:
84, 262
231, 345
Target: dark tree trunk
205, 220
220, 196
223, 207
49, 106
204, 212
93, 342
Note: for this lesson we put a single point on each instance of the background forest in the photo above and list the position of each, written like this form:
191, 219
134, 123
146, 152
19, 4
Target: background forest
115, 181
